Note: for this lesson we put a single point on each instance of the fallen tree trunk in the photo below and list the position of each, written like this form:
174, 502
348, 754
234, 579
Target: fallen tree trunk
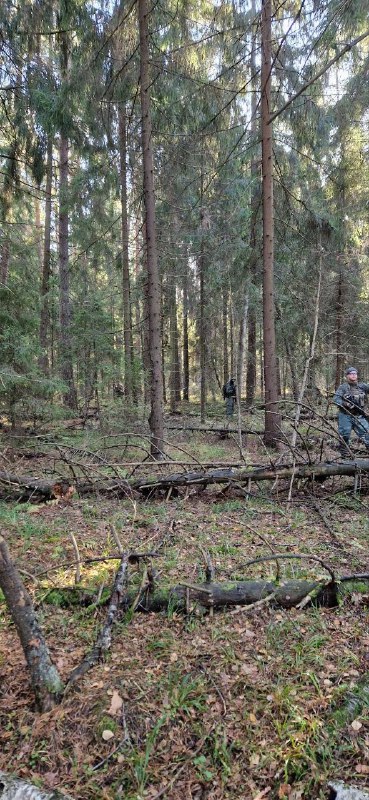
27, 488
211, 429
245, 474
16, 789
46, 682
216, 595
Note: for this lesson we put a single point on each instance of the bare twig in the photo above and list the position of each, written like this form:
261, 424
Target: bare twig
77, 577
291, 555
246, 609
116, 538
210, 569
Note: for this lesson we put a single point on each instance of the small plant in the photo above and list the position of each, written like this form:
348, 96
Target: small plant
202, 768
162, 646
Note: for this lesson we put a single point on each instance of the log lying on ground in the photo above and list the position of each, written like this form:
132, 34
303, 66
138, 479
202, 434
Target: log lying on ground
16, 789
222, 429
229, 475
218, 595
27, 488
46, 682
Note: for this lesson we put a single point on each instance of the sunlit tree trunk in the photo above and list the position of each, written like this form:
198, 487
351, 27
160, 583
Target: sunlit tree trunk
272, 416
173, 338
126, 289
241, 345
255, 204
339, 327
202, 330
186, 367
226, 374
66, 360
46, 262
153, 286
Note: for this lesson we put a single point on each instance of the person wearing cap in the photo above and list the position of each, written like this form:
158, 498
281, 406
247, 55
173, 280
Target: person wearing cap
350, 399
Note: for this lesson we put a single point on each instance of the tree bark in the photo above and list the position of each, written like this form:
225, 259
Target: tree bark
126, 289
272, 416
173, 338
186, 361
241, 345
66, 360
46, 264
153, 289
202, 322
104, 639
255, 205
226, 374
287, 594
25, 487
46, 682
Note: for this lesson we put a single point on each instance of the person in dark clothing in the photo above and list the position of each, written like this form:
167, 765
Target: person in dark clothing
229, 395
350, 399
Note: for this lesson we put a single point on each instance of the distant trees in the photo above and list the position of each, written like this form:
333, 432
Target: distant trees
152, 291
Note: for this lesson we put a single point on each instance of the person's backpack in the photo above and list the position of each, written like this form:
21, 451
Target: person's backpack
229, 389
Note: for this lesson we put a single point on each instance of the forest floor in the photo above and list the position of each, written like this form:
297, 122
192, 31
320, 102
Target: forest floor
247, 703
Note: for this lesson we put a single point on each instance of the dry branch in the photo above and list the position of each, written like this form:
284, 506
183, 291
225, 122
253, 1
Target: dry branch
25, 487
104, 639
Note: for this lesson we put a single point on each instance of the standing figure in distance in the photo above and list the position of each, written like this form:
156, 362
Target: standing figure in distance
350, 399
229, 395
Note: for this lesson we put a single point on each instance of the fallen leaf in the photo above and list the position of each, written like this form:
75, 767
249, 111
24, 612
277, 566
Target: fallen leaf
116, 703
284, 790
262, 794
362, 768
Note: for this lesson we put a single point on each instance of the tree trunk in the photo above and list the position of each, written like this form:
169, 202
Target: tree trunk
46, 682
173, 339
339, 327
255, 205
46, 264
153, 293
272, 416
241, 344
202, 334
4, 255
66, 360
126, 289
226, 373
28, 488
213, 595
186, 363
292, 366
